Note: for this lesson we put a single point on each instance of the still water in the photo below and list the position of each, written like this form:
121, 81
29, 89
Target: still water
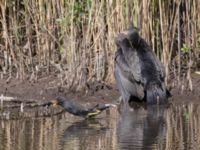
137, 127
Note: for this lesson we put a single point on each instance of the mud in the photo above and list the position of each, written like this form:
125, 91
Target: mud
48, 88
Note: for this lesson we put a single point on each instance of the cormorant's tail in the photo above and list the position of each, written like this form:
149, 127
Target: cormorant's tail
156, 94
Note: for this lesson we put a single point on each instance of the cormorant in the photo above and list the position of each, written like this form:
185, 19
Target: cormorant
78, 110
139, 74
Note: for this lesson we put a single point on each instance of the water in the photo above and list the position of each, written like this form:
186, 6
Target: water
138, 127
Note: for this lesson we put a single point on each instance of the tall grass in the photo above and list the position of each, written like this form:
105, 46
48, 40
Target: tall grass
76, 38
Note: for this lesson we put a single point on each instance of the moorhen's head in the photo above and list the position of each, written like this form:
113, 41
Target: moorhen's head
59, 101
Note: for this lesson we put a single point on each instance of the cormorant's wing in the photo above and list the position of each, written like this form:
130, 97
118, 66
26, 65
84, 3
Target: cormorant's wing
139, 44
158, 65
127, 58
129, 66
128, 79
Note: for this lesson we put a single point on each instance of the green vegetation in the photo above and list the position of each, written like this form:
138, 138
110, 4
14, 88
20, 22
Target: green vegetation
185, 48
39, 35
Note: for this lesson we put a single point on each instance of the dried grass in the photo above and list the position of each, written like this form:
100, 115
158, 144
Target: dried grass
78, 36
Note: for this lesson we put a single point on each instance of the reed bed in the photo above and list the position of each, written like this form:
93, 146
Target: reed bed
75, 39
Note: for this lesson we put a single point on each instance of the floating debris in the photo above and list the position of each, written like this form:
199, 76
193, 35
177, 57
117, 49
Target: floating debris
197, 72
14, 108
22, 107
2, 97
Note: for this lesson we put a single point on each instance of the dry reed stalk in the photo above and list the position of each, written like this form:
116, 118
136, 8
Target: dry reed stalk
79, 35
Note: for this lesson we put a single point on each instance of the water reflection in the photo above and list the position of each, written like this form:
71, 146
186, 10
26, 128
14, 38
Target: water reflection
86, 134
142, 127
137, 127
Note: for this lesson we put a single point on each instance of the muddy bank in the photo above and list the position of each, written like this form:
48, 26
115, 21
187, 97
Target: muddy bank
182, 94
47, 88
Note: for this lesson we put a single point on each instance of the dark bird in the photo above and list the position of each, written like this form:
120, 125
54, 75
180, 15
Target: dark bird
139, 74
79, 110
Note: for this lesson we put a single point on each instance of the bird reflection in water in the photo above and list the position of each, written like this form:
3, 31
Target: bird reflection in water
142, 126
84, 134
